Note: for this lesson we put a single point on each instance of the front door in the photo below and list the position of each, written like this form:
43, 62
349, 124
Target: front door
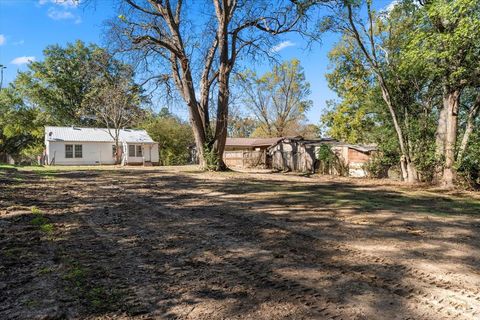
147, 152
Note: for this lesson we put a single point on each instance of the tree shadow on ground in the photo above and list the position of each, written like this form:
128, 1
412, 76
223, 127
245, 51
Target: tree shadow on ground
181, 246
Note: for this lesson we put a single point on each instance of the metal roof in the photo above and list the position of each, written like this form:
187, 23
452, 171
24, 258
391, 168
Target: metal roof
303, 141
359, 147
330, 141
251, 142
95, 135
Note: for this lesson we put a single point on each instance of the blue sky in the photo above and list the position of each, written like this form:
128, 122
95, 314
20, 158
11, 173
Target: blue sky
28, 26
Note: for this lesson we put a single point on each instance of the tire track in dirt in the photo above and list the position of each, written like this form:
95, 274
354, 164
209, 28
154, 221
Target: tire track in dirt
399, 290
414, 296
286, 288
135, 305
310, 297
470, 293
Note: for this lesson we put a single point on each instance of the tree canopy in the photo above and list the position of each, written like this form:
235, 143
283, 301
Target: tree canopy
420, 60
278, 99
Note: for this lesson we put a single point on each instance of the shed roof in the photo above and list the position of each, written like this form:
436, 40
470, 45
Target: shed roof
95, 135
251, 142
359, 147
333, 142
302, 141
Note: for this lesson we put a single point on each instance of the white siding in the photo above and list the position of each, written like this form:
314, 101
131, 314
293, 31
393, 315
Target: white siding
97, 149
92, 153
155, 156
150, 153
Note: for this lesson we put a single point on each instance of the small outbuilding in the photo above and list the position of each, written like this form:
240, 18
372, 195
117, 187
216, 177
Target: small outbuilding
248, 152
95, 146
296, 154
353, 157
299, 154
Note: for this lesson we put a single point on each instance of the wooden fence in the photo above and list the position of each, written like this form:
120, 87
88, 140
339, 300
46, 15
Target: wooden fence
245, 159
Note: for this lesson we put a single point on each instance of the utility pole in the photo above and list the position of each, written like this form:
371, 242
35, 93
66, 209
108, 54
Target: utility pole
1, 75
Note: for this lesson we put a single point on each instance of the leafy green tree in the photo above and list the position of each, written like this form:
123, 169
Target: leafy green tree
422, 60
356, 115
58, 84
446, 43
21, 127
375, 39
381, 101
174, 136
310, 131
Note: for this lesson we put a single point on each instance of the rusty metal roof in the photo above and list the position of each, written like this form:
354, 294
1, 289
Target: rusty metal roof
251, 142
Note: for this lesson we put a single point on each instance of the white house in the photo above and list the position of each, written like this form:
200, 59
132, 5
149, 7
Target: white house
95, 146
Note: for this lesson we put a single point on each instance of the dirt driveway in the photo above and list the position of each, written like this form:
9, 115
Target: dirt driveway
175, 243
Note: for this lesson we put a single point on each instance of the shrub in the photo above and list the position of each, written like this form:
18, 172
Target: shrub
469, 167
377, 166
210, 157
329, 162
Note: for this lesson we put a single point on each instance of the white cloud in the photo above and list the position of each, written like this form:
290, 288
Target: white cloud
22, 60
2, 39
18, 43
63, 3
282, 45
59, 14
62, 14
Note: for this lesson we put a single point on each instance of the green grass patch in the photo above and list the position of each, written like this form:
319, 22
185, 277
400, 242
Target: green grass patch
11, 173
76, 276
41, 221
35, 210
47, 228
4, 166
46, 270
46, 174
80, 283
103, 299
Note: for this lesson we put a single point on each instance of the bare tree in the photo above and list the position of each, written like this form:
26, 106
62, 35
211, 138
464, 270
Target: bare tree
278, 99
195, 46
114, 98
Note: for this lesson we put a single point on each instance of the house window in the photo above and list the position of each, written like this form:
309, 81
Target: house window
135, 150
78, 151
131, 150
69, 151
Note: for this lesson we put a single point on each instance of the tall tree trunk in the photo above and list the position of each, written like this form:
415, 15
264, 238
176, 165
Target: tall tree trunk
409, 171
472, 115
453, 99
440, 138
223, 16
222, 120
196, 120
199, 136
